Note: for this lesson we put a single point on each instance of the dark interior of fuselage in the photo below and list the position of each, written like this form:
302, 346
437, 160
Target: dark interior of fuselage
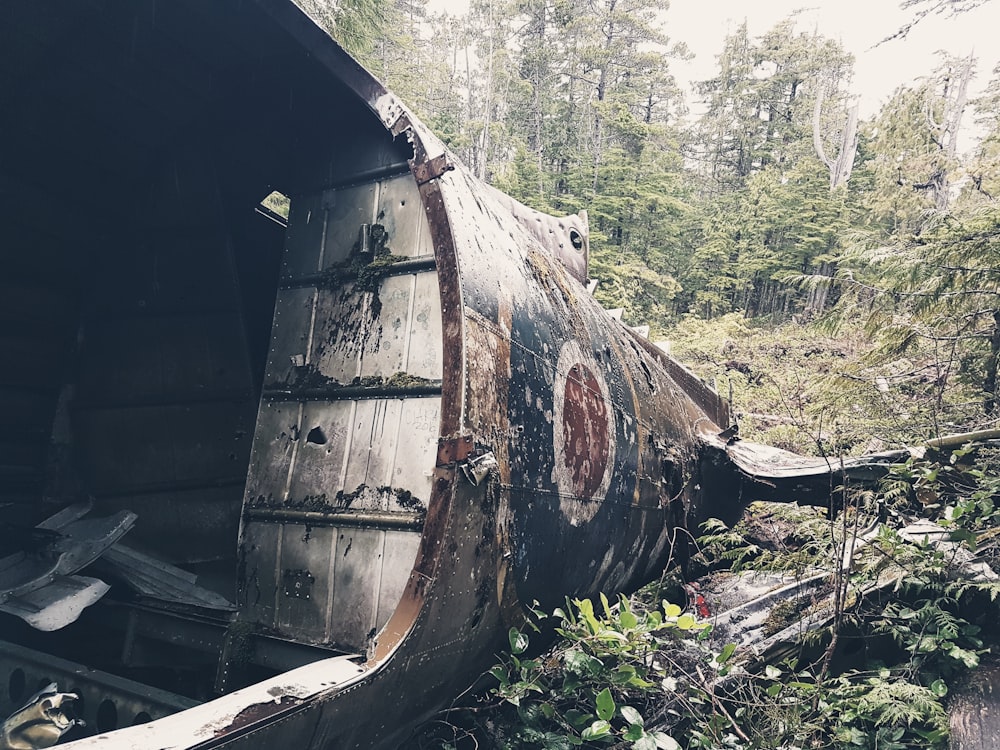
138, 285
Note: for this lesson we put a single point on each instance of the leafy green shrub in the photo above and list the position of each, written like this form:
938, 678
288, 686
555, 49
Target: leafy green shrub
617, 677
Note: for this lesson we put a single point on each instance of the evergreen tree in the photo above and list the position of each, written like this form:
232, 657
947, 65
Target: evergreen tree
984, 170
358, 25
932, 300
914, 148
760, 105
724, 144
768, 216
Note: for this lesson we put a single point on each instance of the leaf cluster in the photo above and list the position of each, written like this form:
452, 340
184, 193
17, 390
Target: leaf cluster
616, 678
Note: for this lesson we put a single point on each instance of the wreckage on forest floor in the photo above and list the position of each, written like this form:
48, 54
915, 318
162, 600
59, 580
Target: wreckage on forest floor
269, 483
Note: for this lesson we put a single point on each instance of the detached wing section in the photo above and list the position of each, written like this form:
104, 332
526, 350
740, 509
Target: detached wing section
766, 473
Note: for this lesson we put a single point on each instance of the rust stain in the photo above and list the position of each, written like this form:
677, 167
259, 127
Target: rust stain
449, 287
257, 712
451, 450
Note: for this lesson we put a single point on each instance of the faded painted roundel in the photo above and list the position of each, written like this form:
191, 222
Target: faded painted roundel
583, 430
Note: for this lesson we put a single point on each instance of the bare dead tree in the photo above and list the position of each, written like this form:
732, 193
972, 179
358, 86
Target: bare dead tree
841, 166
954, 99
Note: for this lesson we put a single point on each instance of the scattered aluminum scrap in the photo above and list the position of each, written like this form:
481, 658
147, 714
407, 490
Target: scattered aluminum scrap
745, 602
37, 582
38, 585
41, 722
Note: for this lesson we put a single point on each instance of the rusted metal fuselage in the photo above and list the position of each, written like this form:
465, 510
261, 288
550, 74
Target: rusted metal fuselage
353, 448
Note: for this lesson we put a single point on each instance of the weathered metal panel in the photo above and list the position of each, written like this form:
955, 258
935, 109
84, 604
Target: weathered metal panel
274, 443
400, 211
399, 551
424, 358
323, 433
356, 578
374, 435
388, 341
327, 442
343, 322
358, 334
304, 582
347, 209
417, 441
290, 335
325, 228
258, 577
305, 234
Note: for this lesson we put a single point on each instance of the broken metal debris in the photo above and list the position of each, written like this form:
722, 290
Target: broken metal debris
41, 722
36, 581
478, 468
56, 604
768, 613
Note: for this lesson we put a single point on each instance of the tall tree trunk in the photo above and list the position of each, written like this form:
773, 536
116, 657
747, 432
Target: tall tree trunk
844, 165
818, 294
602, 87
482, 171
990, 381
841, 167
539, 76
955, 100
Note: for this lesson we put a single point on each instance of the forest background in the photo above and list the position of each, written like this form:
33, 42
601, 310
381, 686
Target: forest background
834, 271
754, 219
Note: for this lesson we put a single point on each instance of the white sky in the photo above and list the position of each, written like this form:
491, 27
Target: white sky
858, 24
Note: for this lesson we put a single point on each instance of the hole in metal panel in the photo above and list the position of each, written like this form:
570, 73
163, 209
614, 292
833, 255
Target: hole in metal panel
316, 436
107, 716
277, 203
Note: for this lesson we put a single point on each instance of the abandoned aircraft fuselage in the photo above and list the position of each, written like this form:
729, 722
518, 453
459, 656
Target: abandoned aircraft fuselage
436, 426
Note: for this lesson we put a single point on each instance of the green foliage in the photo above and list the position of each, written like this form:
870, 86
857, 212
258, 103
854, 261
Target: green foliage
796, 387
770, 537
885, 712
767, 211
957, 490
933, 299
277, 202
356, 24
607, 682
785, 222
911, 590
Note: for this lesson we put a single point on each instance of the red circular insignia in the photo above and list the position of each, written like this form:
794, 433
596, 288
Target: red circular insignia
585, 431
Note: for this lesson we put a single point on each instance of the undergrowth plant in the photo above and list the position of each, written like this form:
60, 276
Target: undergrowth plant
617, 677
